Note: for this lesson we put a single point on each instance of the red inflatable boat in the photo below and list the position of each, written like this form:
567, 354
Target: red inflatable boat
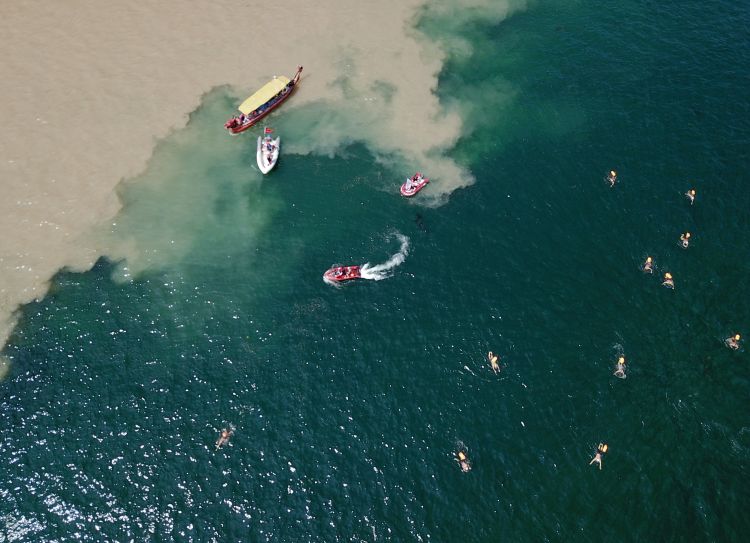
342, 273
413, 185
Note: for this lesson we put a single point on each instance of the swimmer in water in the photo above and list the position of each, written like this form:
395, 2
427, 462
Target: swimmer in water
601, 450
648, 266
685, 240
668, 280
733, 342
226, 433
620, 368
690, 195
612, 178
492, 358
463, 461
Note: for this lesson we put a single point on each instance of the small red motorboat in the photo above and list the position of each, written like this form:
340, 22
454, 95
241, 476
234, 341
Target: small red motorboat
260, 104
342, 273
413, 185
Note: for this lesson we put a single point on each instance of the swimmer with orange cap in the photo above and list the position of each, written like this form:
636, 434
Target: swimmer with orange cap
648, 266
463, 461
226, 433
690, 195
668, 280
612, 178
733, 342
685, 240
601, 450
620, 368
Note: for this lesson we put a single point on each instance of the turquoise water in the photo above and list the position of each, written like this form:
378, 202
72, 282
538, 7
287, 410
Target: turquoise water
348, 403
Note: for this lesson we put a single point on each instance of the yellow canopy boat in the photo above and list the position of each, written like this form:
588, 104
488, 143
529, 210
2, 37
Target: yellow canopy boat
260, 104
266, 92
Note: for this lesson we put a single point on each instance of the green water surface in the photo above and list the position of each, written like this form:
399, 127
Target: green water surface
349, 403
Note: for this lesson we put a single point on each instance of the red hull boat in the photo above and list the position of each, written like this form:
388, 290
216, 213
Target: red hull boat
260, 104
413, 185
342, 273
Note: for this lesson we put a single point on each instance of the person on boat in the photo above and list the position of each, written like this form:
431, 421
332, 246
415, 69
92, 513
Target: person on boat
733, 342
601, 450
690, 195
612, 178
226, 433
620, 368
648, 266
685, 240
493, 358
463, 461
668, 280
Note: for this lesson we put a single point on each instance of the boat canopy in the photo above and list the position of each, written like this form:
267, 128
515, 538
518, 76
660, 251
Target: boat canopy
266, 92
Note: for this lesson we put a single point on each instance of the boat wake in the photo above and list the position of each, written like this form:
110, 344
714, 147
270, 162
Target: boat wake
337, 275
384, 270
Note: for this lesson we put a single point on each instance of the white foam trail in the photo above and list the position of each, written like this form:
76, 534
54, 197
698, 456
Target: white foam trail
383, 271
332, 283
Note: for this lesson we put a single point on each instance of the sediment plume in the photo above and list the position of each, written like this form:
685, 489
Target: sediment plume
89, 87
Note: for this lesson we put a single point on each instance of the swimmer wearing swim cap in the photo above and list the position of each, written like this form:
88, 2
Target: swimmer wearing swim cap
648, 266
601, 450
463, 461
493, 358
620, 368
733, 342
690, 195
685, 240
612, 178
668, 280
226, 433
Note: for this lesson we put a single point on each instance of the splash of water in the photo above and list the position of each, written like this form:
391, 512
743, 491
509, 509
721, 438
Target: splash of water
384, 270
